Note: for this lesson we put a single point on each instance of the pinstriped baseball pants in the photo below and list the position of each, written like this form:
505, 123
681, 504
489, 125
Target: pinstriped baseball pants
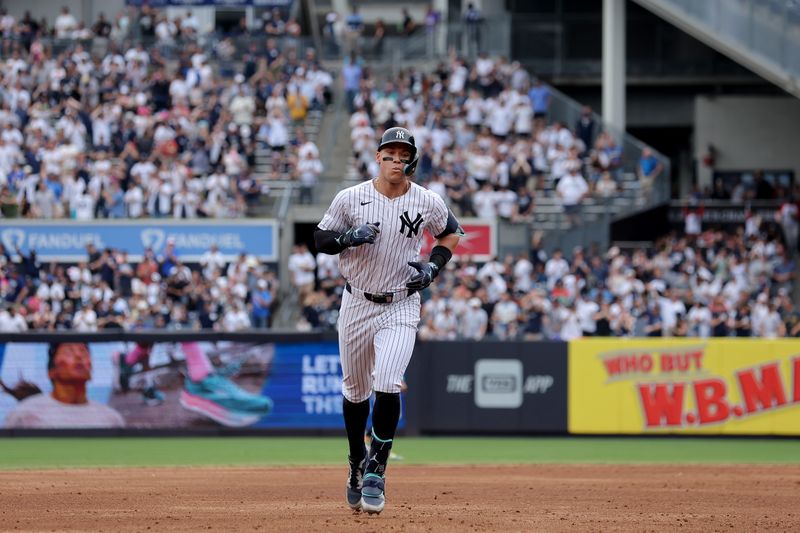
375, 344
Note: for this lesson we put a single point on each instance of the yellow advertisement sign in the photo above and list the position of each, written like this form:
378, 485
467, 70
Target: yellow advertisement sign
693, 386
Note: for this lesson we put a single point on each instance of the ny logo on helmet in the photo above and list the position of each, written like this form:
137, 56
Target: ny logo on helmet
401, 134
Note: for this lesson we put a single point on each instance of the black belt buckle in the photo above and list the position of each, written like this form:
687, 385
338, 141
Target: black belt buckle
380, 298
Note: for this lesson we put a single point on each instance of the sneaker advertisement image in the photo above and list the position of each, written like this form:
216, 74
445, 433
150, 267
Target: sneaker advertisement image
180, 386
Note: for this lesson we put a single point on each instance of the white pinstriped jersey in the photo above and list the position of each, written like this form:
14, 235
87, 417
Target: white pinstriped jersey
382, 266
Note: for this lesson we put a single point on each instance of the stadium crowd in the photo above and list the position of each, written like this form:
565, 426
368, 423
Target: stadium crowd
109, 128
120, 131
109, 291
713, 283
484, 138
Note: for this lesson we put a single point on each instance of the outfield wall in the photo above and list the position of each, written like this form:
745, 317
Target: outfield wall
590, 386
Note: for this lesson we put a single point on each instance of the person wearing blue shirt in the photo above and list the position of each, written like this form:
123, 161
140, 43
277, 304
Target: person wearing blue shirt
115, 202
262, 299
648, 169
540, 97
351, 78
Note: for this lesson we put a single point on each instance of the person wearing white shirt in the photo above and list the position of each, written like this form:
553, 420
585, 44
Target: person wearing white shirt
671, 307
484, 66
306, 147
586, 309
570, 323
441, 139
445, 325
506, 201
65, 24
212, 261
484, 202
474, 321
165, 30
327, 267
278, 136
308, 171
699, 318
85, 319
242, 107
438, 186
523, 269
555, 268
505, 312
385, 106
143, 171
474, 108
523, 118
11, 321
458, 77
184, 203
163, 134
82, 207
302, 266
572, 188
480, 165
134, 200
771, 326
164, 198
501, 119
235, 318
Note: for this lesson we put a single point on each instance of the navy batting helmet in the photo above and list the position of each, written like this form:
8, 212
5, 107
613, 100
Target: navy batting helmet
401, 136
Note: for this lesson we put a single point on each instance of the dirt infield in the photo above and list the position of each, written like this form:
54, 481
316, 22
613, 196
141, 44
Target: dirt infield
485, 498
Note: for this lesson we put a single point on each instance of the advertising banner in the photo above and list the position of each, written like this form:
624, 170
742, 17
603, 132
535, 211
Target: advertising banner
691, 386
479, 241
489, 387
67, 240
170, 385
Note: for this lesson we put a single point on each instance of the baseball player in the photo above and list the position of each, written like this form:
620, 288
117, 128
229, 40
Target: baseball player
377, 227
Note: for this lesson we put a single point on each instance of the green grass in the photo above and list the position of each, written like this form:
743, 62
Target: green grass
18, 453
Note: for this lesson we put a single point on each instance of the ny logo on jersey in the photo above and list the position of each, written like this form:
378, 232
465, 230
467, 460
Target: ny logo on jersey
413, 226
400, 134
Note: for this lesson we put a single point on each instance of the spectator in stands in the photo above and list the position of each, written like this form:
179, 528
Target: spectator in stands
572, 189
11, 321
408, 26
647, 170
539, 95
585, 127
354, 28
307, 172
302, 265
376, 43
473, 19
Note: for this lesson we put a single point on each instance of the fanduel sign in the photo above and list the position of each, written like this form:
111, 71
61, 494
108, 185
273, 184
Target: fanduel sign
67, 240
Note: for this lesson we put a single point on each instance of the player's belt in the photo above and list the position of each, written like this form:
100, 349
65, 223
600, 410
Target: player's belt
379, 297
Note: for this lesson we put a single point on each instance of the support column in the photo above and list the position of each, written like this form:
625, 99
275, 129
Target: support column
614, 66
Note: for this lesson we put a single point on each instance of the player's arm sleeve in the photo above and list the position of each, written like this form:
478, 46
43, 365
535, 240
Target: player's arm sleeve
333, 224
326, 241
443, 222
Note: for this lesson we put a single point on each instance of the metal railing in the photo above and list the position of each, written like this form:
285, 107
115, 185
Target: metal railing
566, 110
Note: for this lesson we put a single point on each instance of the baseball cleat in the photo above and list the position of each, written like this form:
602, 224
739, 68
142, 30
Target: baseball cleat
372, 497
354, 479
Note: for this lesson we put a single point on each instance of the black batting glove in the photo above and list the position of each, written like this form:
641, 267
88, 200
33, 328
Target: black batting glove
425, 275
358, 235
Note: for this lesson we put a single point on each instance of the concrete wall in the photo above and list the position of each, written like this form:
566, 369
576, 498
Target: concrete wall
748, 132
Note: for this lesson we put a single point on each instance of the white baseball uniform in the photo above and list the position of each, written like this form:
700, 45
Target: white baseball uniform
376, 340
